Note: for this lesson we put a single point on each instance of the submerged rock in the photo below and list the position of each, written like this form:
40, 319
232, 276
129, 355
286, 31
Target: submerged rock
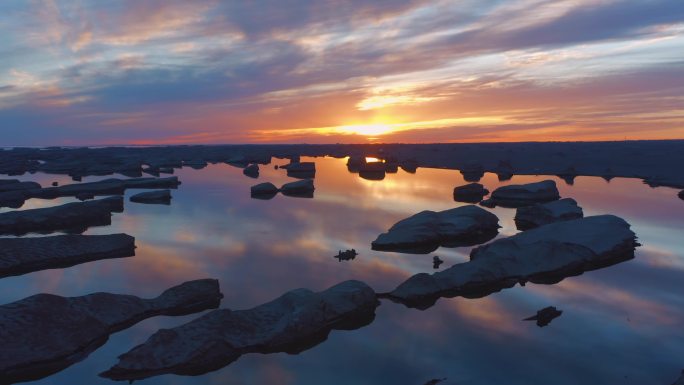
301, 188
529, 217
545, 255
427, 230
153, 197
265, 190
24, 255
470, 193
545, 316
74, 217
518, 195
46, 333
252, 170
292, 323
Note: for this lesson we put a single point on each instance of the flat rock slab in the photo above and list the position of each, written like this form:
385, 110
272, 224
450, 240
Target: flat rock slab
153, 197
518, 195
46, 333
426, 231
24, 255
75, 217
110, 186
529, 217
470, 193
292, 323
301, 188
545, 255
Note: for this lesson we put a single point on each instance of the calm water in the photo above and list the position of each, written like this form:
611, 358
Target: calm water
620, 325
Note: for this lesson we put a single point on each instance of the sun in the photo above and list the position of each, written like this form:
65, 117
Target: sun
367, 129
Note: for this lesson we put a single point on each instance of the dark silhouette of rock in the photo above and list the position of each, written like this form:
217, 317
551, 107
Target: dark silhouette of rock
110, 186
545, 316
347, 255
529, 217
196, 164
24, 255
153, 197
13, 199
301, 170
292, 323
252, 170
504, 171
544, 255
681, 195
472, 172
409, 165
301, 188
55, 184
354, 163
15, 185
523, 194
427, 230
84, 196
436, 262
73, 217
265, 190
46, 333
568, 175
470, 193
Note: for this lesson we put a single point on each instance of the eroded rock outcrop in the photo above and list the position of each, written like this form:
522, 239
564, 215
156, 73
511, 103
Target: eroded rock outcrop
72, 217
544, 255
518, 195
24, 255
46, 333
427, 230
292, 323
153, 197
470, 193
529, 217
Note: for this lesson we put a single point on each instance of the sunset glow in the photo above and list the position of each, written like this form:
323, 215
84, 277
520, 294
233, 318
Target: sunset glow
208, 71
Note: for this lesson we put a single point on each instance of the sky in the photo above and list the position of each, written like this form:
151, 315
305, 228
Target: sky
99, 72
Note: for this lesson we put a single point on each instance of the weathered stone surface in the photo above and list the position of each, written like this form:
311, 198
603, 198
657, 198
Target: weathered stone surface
301, 188
427, 230
470, 193
24, 255
251, 171
518, 195
264, 190
73, 217
545, 316
529, 217
292, 323
153, 197
46, 333
546, 254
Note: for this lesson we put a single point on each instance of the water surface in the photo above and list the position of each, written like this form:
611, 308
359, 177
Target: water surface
620, 325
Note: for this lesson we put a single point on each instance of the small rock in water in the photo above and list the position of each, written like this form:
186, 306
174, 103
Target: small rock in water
436, 261
301, 188
346, 255
252, 170
266, 190
545, 316
470, 193
55, 184
523, 194
681, 195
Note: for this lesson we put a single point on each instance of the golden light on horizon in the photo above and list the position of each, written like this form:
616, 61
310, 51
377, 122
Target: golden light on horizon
367, 129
